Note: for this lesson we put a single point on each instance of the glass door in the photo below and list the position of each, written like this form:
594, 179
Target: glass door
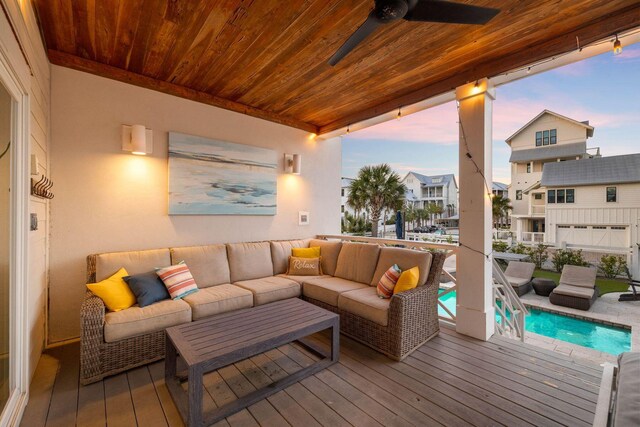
5, 242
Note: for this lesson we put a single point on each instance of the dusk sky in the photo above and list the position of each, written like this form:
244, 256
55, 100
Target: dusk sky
604, 89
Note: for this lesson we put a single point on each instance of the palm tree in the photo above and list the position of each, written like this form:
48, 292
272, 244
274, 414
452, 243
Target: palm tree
375, 189
433, 210
500, 207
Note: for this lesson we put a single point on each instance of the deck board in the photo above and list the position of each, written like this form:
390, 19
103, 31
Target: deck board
452, 380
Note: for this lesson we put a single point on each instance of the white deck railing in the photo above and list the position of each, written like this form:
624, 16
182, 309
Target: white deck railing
450, 250
510, 311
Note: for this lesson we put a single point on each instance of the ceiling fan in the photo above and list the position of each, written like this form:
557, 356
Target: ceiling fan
387, 11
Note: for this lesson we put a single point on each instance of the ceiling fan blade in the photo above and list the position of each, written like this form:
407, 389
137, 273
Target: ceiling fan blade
450, 12
368, 27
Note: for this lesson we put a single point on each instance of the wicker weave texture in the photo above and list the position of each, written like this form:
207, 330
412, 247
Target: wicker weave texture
573, 302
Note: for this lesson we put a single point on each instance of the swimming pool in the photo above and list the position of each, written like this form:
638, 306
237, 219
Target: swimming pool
605, 338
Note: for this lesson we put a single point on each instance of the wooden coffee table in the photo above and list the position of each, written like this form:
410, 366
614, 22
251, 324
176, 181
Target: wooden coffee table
218, 341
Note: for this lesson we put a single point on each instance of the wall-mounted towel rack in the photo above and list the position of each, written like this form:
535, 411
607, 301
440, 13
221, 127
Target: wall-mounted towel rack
41, 188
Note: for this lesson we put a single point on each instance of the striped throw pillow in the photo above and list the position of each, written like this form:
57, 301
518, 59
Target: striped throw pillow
388, 281
178, 280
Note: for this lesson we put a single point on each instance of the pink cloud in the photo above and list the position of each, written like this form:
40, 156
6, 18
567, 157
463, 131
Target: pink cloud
437, 125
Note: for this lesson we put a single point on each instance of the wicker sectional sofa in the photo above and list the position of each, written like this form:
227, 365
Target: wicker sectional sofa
241, 275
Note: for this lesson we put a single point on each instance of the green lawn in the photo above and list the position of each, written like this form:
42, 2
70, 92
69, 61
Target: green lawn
604, 285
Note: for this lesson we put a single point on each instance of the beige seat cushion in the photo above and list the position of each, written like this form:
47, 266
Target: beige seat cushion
302, 279
574, 291
405, 259
366, 304
517, 281
329, 251
218, 299
248, 261
329, 289
269, 289
357, 262
135, 262
135, 321
208, 264
281, 251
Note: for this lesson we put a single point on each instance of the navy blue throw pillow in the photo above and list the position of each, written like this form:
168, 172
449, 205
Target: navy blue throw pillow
147, 287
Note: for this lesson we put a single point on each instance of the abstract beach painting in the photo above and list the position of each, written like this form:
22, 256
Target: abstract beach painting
211, 177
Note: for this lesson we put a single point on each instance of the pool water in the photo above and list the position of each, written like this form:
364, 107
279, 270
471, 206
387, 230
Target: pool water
608, 339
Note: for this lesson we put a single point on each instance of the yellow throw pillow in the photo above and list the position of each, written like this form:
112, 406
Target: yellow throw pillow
114, 291
407, 281
313, 252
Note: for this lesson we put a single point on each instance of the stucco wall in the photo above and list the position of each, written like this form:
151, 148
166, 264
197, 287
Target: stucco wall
109, 200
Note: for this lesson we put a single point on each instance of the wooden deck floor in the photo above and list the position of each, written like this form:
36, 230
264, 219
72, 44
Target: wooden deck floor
452, 380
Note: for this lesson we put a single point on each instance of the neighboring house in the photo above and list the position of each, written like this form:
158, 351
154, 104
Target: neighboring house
594, 202
344, 194
548, 138
499, 189
563, 195
439, 189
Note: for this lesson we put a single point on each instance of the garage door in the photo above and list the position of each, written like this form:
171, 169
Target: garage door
593, 235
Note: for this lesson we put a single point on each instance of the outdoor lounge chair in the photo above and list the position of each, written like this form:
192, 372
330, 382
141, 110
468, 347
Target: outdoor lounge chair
519, 275
634, 296
577, 288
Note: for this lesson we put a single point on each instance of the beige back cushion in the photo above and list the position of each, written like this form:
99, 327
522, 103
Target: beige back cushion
135, 262
249, 261
578, 276
357, 261
405, 259
281, 251
519, 269
329, 251
208, 264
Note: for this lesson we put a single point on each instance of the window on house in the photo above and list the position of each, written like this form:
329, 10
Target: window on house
618, 228
546, 137
565, 195
537, 196
528, 167
551, 196
342, 208
599, 227
612, 194
518, 194
570, 195
342, 192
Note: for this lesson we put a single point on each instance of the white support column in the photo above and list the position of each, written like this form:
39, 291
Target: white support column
474, 312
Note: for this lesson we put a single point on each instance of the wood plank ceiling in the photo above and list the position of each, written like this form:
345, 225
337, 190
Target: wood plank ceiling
268, 58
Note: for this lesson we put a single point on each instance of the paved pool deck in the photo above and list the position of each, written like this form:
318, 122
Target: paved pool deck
606, 309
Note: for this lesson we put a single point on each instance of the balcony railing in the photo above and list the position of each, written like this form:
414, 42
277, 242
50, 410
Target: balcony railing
537, 210
531, 237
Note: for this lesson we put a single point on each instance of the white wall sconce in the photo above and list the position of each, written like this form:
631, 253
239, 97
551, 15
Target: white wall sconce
137, 139
292, 163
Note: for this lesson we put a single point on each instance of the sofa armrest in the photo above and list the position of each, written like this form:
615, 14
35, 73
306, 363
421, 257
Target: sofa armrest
419, 305
91, 337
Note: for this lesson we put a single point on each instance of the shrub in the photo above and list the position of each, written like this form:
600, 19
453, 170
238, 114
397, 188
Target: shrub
612, 266
563, 257
499, 246
538, 254
520, 249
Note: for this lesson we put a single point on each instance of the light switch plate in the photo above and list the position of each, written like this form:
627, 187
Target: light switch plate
34, 221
